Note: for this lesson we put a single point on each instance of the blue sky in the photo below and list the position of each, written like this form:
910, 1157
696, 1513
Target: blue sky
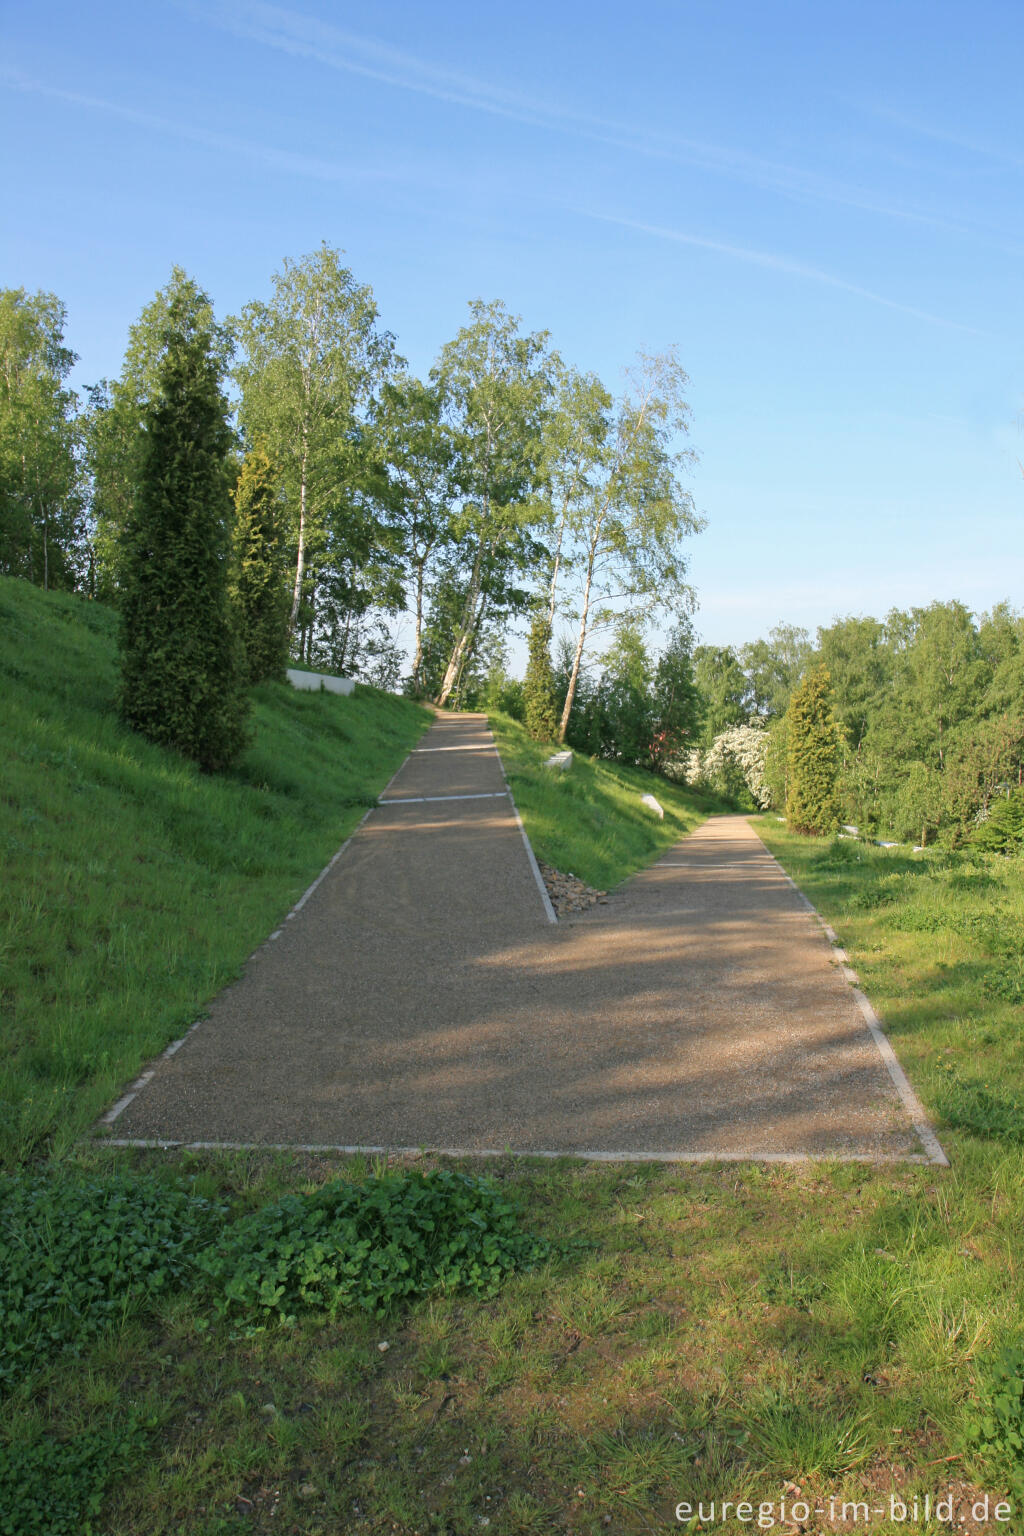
820, 204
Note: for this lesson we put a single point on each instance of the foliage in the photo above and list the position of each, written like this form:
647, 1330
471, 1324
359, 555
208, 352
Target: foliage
722, 687
113, 423
814, 739
258, 591
493, 384
41, 493
998, 1430
539, 695
370, 1246
181, 683
677, 701
414, 450
773, 667
626, 511
135, 887
733, 765
79, 1255
55, 1487
312, 363
1002, 830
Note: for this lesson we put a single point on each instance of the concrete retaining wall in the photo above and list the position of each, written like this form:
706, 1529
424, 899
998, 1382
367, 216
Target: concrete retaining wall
313, 682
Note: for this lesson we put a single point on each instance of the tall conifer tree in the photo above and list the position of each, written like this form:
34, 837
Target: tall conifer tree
181, 681
258, 583
539, 686
814, 741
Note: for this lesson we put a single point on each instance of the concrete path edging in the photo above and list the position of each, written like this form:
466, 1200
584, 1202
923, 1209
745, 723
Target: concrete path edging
915, 1109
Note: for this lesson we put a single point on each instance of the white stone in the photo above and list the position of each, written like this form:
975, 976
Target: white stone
561, 760
319, 682
652, 805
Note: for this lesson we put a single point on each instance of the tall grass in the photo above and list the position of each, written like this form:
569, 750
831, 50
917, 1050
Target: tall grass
133, 886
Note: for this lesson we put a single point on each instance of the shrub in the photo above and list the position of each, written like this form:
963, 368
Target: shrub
76, 1256
370, 1246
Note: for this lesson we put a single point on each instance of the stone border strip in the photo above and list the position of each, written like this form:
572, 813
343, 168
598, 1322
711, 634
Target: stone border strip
909, 1099
792, 1158
549, 910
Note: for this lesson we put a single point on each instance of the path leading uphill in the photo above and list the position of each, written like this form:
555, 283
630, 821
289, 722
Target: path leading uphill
421, 997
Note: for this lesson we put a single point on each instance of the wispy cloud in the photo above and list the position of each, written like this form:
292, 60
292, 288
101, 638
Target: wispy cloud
983, 149
282, 160
777, 263
302, 36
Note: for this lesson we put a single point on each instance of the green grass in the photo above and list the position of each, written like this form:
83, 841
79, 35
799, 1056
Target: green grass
698, 1332
588, 820
937, 938
135, 887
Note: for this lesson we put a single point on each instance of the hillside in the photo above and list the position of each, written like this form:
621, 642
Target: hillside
134, 886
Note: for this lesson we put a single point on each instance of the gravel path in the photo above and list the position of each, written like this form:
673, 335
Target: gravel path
421, 998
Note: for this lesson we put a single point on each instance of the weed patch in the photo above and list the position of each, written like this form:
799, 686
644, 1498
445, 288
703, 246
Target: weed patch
370, 1246
77, 1256
53, 1487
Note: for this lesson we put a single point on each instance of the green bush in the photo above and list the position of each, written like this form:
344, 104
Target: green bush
999, 1429
1003, 829
51, 1487
370, 1246
78, 1255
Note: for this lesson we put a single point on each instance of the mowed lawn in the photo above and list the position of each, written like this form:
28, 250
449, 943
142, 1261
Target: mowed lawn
694, 1334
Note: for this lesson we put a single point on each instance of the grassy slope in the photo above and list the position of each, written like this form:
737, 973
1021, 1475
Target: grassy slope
135, 887
725, 1332
588, 820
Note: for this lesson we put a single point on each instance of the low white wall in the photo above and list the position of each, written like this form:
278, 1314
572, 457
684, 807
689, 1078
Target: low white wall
312, 682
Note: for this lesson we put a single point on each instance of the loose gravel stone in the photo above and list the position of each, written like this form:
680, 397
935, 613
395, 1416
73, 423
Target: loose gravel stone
568, 894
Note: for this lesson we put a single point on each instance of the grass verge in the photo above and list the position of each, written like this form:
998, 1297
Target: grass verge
589, 820
135, 887
826, 1332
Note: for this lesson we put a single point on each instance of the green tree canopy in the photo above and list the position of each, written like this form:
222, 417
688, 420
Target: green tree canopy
42, 533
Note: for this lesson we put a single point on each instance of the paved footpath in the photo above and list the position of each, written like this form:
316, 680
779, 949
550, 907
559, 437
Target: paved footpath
422, 997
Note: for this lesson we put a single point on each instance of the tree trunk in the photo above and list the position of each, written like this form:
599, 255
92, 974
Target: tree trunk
417, 660
581, 638
300, 565
467, 628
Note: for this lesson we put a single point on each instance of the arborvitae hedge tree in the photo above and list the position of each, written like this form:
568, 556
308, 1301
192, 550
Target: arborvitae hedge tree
258, 580
539, 690
182, 682
813, 746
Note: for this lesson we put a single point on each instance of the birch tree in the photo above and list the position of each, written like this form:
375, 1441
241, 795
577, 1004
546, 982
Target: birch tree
40, 479
414, 449
627, 510
494, 385
312, 361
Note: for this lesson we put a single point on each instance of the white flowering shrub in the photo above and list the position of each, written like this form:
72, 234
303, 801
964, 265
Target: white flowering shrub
736, 758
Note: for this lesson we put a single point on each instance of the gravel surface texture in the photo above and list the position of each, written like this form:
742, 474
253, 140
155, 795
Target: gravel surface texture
421, 998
